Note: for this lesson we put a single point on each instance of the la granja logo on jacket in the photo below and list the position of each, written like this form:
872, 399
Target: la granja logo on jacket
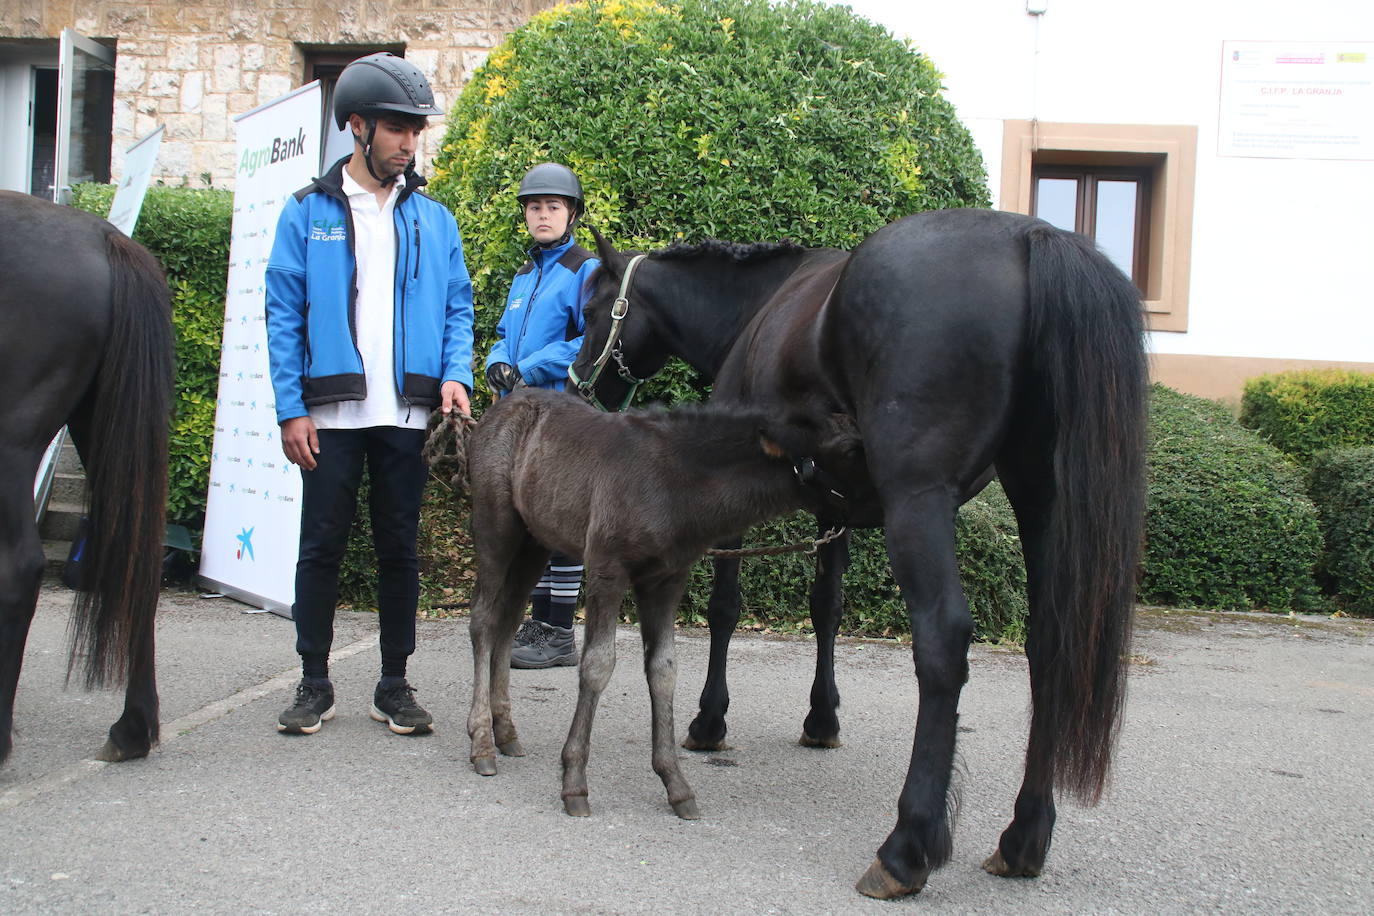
327, 230
516, 303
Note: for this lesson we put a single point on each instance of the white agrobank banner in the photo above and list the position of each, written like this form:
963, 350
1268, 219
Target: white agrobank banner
252, 515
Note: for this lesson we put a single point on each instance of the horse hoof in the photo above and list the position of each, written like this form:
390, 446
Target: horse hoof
511, 748
113, 753
694, 744
687, 809
576, 806
484, 766
878, 882
995, 864
832, 742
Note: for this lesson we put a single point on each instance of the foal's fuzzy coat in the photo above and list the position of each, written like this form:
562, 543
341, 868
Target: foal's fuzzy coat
639, 496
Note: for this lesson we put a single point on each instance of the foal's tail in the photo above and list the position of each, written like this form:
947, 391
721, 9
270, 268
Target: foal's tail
126, 467
1087, 348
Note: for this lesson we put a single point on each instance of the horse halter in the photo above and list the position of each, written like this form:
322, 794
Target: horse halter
619, 309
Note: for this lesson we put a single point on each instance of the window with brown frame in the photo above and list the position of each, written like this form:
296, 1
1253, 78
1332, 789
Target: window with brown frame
1109, 204
1129, 187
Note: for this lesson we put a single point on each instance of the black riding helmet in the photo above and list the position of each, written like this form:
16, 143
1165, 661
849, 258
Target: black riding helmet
550, 179
379, 84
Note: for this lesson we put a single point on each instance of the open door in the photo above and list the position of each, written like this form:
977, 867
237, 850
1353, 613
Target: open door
85, 113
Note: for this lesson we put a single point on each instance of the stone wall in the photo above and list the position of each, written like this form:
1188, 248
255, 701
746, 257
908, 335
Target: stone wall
194, 65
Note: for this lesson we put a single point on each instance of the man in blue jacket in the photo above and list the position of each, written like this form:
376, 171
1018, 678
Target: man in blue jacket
536, 340
369, 327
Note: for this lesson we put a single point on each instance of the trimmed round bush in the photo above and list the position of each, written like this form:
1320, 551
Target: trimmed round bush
743, 120
1228, 520
1342, 487
1305, 412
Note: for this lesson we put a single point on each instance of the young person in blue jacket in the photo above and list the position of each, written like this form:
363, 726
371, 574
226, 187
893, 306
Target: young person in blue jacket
369, 327
537, 339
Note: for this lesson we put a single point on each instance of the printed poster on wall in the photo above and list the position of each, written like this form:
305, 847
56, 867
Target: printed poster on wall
1297, 100
252, 516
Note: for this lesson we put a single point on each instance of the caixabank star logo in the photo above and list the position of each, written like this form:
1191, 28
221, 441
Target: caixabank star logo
245, 539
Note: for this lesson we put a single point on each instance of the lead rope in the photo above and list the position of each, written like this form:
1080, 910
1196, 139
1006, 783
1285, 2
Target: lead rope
445, 450
809, 547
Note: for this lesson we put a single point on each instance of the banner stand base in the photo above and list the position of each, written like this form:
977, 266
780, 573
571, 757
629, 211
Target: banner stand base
257, 602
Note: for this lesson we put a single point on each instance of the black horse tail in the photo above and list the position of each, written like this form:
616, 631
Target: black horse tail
126, 468
1087, 344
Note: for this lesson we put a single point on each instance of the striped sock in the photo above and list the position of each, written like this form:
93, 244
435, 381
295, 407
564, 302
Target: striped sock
562, 579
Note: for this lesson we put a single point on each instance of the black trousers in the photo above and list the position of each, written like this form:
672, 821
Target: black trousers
329, 496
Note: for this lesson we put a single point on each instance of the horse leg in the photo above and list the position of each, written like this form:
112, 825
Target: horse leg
920, 543
21, 572
136, 730
526, 569
496, 611
707, 731
1022, 849
822, 725
605, 590
657, 609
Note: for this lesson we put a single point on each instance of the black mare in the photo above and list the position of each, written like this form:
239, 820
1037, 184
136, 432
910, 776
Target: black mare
958, 343
86, 341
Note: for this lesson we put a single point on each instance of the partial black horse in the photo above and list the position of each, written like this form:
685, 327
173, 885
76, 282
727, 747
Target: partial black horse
958, 343
639, 497
86, 341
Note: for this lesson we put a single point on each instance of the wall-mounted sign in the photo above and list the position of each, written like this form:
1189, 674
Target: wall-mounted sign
1297, 100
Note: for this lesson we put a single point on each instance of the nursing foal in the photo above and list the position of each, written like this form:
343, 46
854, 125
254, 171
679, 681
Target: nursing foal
639, 496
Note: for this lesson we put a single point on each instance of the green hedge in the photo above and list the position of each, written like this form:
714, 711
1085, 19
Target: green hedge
1342, 486
1228, 522
1303, 413
736, 119
188, 230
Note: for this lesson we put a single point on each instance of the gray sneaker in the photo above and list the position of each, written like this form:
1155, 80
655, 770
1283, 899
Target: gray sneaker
314, 706
543, 645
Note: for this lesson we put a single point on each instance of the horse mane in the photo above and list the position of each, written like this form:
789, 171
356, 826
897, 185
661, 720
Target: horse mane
733, 251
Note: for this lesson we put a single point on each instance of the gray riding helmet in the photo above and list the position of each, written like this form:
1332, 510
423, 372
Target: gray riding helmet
550, 179
380, 83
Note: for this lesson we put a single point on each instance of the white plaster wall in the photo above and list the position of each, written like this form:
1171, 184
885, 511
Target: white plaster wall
1283, 249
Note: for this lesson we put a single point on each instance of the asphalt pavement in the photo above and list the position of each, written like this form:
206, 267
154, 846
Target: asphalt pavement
1243, 782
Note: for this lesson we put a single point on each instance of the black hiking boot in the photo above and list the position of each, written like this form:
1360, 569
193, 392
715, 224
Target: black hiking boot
396, 707
314, 706
543, 645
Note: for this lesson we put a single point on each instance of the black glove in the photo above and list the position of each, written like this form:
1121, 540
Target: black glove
503, 377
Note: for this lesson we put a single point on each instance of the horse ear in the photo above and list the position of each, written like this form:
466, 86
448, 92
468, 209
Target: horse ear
611, 259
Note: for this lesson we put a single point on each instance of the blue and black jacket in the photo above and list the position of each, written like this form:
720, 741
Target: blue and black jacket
312, 300
541, 329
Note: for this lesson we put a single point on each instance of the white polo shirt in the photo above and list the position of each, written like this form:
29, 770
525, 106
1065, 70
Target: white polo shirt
374, 243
